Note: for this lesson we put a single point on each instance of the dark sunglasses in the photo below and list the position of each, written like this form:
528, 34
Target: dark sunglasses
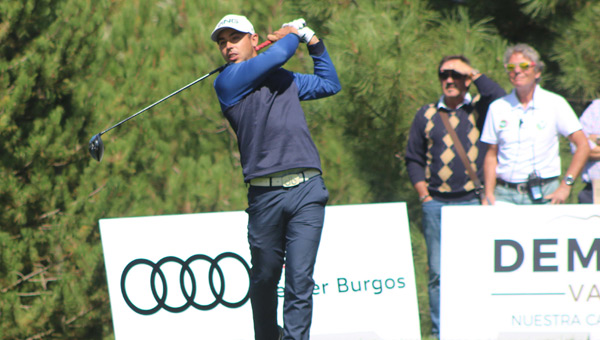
524, 66
450, 73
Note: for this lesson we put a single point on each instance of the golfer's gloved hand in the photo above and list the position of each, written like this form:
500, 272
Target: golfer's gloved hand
304, 32
297, 24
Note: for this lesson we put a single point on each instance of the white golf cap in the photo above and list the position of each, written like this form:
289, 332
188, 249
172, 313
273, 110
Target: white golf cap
238, 22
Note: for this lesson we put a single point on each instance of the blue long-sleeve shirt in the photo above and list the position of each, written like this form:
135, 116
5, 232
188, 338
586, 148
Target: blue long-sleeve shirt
261, 101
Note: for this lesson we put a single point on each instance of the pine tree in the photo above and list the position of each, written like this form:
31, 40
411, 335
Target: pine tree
49, 273
575, 52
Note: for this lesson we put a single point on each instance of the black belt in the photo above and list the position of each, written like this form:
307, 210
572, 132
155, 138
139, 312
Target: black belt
521, 186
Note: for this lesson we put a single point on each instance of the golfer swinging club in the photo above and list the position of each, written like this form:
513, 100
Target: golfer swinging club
286, 195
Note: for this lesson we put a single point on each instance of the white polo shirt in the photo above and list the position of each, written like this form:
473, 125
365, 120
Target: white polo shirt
527, 139
590, 122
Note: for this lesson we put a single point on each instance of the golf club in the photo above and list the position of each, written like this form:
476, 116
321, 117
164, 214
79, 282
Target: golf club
96, 146
263, 45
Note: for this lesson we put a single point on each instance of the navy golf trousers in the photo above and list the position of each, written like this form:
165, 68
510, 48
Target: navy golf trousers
284, 226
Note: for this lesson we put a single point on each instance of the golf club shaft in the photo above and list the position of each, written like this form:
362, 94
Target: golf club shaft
220, 68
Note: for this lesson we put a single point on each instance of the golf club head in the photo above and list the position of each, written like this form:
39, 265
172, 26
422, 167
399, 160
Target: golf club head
96, 147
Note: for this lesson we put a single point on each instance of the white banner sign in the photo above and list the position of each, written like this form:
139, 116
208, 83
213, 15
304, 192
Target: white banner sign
520, 272
187, 276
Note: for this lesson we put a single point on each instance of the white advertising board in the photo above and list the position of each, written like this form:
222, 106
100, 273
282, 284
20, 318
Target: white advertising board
520, 272
364, 277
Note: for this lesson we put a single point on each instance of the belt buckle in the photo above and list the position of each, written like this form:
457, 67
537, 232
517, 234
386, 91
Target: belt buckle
522, 188
290, 180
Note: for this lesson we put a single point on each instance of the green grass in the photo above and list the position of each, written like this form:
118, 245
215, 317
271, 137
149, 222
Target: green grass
419, 250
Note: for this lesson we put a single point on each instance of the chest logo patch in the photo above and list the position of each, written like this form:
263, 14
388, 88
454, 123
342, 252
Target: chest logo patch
541, 125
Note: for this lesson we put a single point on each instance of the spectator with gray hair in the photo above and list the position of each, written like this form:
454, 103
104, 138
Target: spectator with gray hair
522, 163
528, 52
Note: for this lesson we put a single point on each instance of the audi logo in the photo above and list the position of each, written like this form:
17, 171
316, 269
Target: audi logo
189, 294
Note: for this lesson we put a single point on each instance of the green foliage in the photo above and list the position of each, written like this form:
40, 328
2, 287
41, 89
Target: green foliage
50, 274
72, 68
575, 52
378, 58
548, 9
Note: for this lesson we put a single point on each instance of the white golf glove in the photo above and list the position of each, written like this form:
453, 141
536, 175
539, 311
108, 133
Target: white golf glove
297, 24
304, 32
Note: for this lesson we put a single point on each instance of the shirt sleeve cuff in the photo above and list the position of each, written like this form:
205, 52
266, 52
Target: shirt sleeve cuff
316, 49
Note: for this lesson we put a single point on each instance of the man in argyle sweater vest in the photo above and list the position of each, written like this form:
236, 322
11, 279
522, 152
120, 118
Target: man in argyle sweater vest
434, 167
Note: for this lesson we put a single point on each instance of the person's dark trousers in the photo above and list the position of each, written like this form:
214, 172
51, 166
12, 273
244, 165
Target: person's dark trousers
284, 223
586, 195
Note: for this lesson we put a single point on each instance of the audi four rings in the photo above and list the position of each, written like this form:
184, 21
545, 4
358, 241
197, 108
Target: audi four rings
189, 296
